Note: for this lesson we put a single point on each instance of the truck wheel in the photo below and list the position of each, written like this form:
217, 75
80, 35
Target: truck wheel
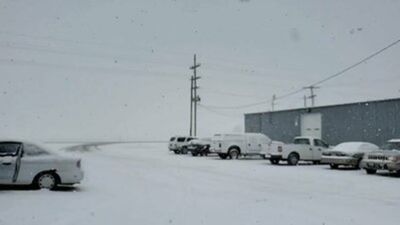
222, 155
370, 171
293, 159
316, 162
234, 153
274, 161
333, 166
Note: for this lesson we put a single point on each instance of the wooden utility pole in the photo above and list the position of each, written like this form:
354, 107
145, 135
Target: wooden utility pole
191, 106
312, 95
194, 97
273, 102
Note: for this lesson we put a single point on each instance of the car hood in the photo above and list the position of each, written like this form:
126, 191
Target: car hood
385, 153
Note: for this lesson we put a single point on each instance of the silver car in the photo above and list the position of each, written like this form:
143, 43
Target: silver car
347, 154
388, 159
23, 163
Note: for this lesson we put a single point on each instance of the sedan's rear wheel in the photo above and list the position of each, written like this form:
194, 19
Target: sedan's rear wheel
370, 171
47, 181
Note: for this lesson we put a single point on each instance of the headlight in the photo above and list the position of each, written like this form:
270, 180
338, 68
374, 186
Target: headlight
394, 158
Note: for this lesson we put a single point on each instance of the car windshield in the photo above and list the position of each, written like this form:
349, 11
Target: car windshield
391, 146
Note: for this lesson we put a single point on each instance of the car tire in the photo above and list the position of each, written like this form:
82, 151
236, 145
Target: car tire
334, 166
234, 153
358, 166
177, 152
316, 162
274, 161
222, 155
46, 181
184, 150
194, 154
293, 159
370, 171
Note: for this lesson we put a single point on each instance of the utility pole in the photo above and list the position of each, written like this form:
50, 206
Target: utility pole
312, 95
273, 102
191, 106
195, 98
305, 101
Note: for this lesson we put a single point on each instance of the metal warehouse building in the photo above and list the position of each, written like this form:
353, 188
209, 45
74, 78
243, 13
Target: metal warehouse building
372, 121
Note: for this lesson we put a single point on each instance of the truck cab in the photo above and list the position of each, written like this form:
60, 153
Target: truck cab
304, 148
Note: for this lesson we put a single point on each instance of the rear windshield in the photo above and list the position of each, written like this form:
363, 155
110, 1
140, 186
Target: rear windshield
172, 139
181, 139
302, 141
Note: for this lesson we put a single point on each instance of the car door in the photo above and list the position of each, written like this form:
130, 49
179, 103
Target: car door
253, 144
319, 147
9, 158
304, 148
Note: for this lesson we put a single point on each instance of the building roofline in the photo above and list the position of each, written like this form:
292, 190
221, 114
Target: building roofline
327, 106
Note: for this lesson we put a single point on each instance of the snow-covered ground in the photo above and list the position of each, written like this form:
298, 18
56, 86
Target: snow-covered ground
145, 184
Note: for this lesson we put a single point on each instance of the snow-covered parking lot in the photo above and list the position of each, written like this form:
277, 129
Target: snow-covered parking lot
145, 184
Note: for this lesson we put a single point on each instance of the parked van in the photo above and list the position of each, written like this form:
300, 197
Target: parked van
234, 145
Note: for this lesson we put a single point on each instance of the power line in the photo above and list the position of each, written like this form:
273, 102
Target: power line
341, 72
219, 113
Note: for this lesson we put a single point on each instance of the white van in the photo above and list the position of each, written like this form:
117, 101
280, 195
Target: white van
233, 145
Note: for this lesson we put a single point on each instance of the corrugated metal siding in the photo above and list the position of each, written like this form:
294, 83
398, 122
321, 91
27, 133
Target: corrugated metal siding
375, 122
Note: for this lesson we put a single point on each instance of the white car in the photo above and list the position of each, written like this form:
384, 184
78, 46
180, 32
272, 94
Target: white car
179, 144
303, 148
23, 163
234, 145
347, 154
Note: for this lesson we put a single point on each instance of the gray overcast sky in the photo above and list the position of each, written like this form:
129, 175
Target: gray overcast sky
119, 69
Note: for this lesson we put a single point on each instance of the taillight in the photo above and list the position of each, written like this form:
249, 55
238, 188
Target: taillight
280, 149
78, 163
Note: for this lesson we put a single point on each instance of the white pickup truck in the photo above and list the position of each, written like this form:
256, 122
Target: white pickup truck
234, 145
303, 148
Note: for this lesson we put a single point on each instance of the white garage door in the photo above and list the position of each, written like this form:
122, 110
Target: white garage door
311, 124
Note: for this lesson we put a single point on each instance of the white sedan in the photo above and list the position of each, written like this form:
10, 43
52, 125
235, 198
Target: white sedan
23, 163
347, 154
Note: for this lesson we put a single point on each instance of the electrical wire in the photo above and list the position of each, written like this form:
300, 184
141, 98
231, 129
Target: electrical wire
341, 72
